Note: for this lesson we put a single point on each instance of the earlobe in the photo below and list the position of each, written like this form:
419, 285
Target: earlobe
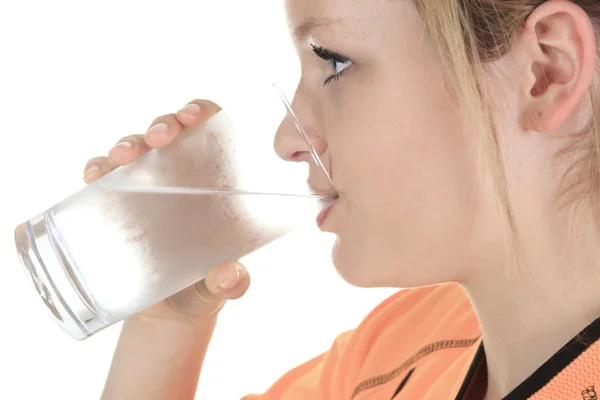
561, 51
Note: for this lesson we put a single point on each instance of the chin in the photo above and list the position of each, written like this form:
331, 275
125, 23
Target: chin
353, 266
378, 267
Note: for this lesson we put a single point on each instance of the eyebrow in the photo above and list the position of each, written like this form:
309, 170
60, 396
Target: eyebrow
303, 30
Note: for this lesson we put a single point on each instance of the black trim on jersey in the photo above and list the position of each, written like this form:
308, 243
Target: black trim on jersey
403, 383
557, 362
544, 374
471, 372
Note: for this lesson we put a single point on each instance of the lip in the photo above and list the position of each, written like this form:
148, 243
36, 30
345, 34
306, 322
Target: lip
322, 217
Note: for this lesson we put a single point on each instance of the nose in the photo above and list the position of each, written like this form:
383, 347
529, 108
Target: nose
290, 143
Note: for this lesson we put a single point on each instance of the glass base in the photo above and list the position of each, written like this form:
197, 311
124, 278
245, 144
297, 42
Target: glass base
47, 270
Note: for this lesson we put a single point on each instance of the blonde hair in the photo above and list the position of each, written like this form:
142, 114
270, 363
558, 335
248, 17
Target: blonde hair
470, 33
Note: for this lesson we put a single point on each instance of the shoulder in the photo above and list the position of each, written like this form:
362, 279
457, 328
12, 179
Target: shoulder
409, 327
434, 325
428, 306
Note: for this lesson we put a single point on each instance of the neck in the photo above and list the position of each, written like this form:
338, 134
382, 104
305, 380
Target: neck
528, 312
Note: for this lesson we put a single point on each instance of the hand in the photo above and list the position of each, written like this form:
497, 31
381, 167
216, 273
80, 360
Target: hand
227, 281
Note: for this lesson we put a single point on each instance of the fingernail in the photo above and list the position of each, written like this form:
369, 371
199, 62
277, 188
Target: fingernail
231, 279
125, 144
92, 168
161, 127
191, 108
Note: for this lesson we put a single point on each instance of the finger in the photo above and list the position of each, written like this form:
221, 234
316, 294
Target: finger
228, 281
162, 131
206, 298
196, 112
128, 149
196, 301
97, 167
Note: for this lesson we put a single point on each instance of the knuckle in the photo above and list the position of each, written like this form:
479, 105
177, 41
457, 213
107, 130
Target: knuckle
202, 290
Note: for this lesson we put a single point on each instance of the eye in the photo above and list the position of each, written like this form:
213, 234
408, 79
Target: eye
339, 64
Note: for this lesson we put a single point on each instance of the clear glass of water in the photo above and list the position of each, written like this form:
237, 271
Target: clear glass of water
154, 227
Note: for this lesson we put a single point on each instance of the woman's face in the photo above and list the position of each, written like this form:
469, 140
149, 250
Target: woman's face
413, 208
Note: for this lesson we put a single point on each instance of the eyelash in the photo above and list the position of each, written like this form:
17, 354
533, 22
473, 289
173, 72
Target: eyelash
329, 55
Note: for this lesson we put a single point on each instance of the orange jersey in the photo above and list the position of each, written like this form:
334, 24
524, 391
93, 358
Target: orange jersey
425, 344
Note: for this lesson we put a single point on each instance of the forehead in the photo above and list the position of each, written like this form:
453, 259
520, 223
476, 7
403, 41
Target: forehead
365, 17
299, 10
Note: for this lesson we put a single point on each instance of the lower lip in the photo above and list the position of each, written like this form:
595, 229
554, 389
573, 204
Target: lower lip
323, 214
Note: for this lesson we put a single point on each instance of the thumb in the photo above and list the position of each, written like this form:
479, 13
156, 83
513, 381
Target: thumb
225, 282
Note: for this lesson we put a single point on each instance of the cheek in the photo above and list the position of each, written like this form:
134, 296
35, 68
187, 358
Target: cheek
402, 150
408, 173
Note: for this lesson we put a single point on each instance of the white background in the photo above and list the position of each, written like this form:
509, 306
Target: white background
74, 77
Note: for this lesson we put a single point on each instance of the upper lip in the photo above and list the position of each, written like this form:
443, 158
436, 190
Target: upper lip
322, 189
320, 185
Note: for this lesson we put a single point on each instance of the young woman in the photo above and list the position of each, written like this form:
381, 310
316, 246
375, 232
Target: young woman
462, 137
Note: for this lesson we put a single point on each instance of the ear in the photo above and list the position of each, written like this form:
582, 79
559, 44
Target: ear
560, 61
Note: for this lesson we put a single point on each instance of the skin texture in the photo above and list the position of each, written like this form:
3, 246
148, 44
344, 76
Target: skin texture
417, 205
